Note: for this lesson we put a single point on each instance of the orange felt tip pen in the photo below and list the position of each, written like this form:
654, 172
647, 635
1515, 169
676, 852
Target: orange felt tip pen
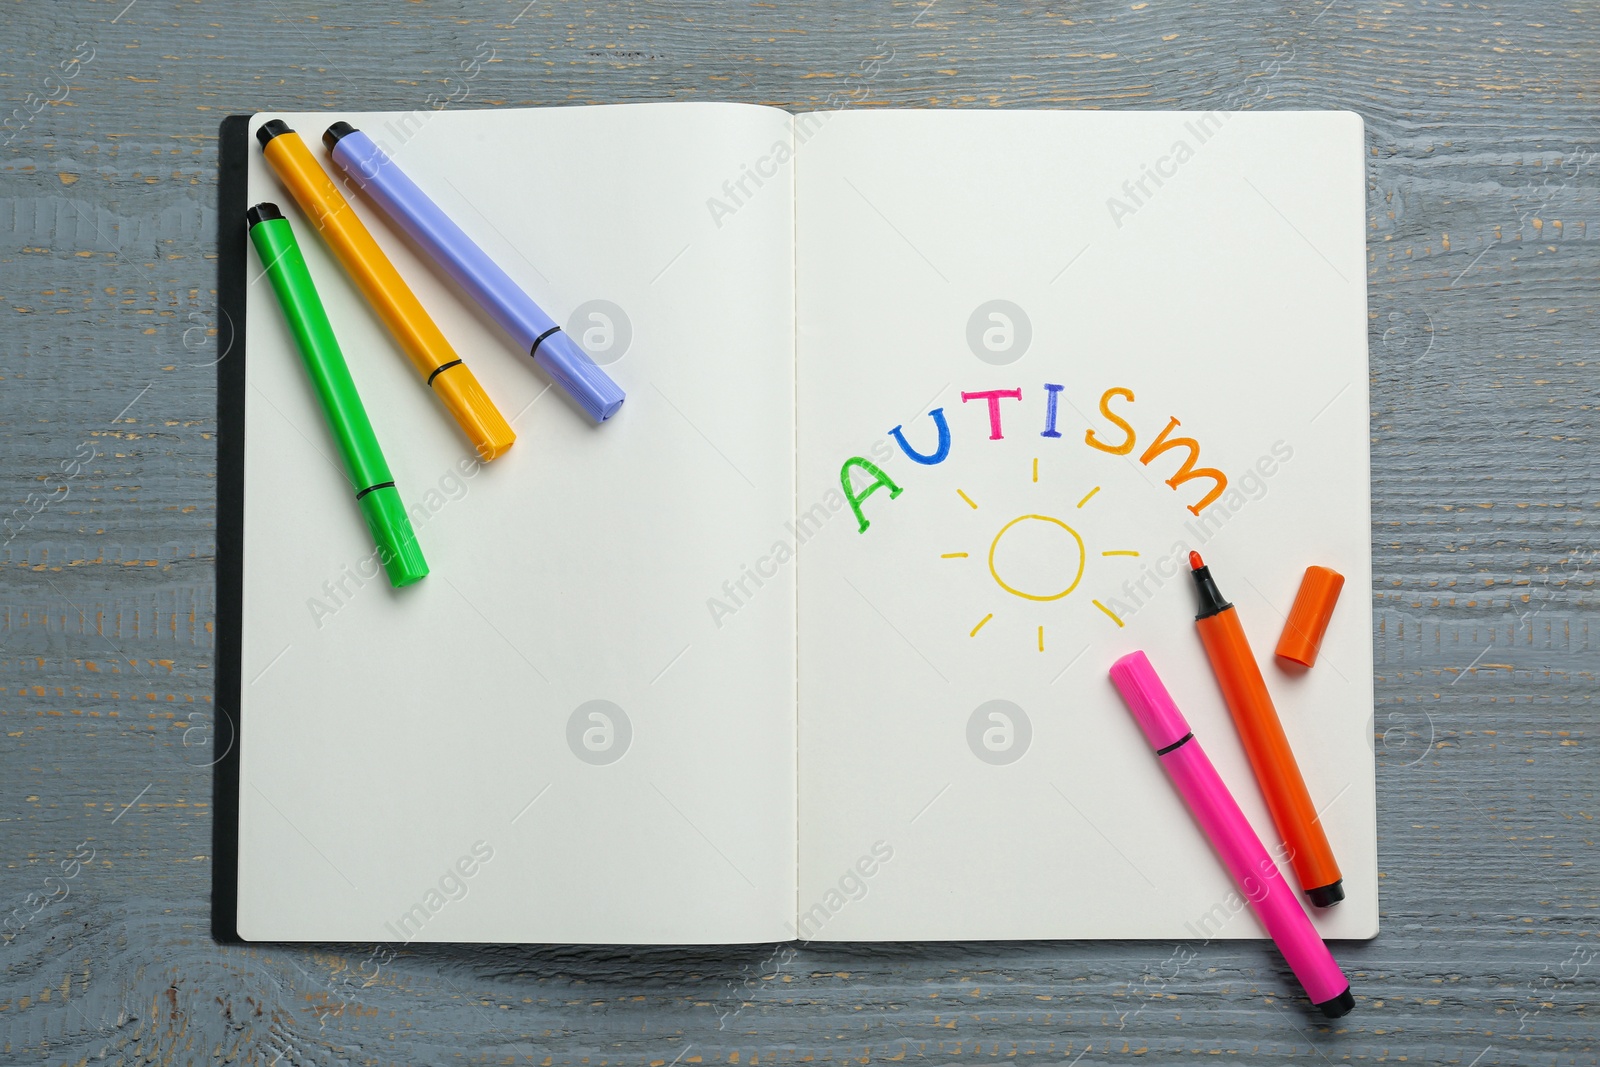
1245, 692
384, 289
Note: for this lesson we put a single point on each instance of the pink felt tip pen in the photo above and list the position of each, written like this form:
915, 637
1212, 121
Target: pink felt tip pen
1241, 850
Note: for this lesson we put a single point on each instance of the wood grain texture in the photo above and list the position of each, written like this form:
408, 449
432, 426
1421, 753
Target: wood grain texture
1483, 268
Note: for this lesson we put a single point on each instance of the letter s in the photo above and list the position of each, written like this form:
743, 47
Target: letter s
883, 851
483, 851
1125, 447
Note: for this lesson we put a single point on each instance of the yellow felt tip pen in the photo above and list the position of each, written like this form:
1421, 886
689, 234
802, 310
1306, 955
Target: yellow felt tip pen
385, 290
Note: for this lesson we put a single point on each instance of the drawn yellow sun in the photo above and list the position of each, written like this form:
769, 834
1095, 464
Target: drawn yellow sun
1077, 552
1044, 539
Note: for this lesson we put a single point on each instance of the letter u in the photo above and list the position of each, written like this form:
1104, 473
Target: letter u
944, 441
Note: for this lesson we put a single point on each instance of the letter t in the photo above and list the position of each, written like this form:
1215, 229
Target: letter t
993, 396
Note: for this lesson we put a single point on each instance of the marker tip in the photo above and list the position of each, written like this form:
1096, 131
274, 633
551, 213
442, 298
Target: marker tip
1195, 562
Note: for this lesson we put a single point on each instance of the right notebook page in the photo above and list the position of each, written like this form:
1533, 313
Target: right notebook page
1081, 325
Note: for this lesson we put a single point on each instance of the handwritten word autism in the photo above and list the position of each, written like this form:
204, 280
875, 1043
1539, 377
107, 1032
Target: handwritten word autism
1119, 440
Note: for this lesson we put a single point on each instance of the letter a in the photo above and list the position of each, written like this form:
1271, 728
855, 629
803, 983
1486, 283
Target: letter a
879, 480
939, 453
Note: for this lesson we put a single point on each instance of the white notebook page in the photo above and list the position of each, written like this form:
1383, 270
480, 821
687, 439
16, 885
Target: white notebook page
391, 744
1229, 292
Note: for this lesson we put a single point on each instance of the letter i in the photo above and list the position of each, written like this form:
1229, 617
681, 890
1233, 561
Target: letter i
1050, 410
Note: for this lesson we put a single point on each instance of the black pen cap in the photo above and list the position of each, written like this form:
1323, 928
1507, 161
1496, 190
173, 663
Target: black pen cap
1339, 1006
266, 211
270, 129
332, 134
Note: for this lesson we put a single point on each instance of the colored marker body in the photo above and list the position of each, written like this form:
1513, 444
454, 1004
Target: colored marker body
536, 333
385, 290
1218, 814
1265, 743
376, 495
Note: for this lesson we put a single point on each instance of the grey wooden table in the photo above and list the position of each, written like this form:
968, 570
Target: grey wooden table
1484, 169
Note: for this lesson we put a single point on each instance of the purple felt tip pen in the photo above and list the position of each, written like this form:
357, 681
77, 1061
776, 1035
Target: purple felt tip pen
553, 351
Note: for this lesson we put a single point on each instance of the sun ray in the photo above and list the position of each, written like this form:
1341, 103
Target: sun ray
1081, 553
1102, 607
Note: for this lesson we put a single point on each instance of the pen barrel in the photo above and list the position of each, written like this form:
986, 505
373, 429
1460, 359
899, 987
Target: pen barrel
388, 294
1266, 745
1258, 878
406, 205
570, 367
368, 471
319, 351
358, 252
535, 332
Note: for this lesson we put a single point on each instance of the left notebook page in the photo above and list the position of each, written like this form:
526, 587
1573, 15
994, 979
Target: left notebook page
543, 740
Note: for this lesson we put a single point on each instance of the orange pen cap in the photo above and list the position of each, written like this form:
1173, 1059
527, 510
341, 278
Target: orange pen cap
1308, 618
482, 422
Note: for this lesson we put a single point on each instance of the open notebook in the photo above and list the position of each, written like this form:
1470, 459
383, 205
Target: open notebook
664, 684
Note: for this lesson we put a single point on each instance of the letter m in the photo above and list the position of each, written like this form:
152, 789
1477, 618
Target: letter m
1187, 472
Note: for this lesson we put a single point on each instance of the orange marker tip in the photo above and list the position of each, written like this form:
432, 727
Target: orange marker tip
1195, 562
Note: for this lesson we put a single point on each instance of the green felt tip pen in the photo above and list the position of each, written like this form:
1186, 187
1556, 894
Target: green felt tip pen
369, 473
